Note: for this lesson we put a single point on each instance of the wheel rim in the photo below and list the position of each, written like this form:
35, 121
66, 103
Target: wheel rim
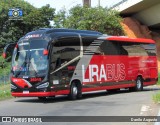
75, 90
139, 84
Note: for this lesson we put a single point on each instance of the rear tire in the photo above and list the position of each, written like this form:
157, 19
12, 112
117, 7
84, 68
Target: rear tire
139, 85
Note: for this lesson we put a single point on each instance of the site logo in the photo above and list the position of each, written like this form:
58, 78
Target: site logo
15, 14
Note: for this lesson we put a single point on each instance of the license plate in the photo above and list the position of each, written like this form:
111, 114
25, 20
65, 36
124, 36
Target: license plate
25, 92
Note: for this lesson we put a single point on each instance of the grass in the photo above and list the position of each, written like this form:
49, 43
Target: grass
6, 69
4, 88
156, 97
159, 78
5, 91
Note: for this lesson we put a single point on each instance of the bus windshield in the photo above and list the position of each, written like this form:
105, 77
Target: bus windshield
29, 58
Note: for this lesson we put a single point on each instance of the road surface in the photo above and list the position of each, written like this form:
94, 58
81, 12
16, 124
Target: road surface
122, 103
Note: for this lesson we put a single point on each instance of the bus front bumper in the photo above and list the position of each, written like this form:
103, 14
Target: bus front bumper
39, 94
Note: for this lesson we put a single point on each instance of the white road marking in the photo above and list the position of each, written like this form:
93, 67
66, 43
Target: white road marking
144, 109
157, 123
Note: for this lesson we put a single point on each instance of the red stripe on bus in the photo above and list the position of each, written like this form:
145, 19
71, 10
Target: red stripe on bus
40, 94
149, 83
107, 87
138, 40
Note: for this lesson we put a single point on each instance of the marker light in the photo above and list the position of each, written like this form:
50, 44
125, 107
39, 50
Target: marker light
45, 52
4, 55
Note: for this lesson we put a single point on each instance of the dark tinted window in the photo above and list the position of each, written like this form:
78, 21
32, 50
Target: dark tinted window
65, 50
108, 48
150, 49
32, 44
133, 49
87, 43
138, 49
126, 48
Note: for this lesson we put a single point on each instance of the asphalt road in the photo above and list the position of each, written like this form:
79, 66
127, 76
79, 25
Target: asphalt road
122, 103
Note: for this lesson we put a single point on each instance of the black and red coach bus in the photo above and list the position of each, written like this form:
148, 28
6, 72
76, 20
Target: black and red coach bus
50, 62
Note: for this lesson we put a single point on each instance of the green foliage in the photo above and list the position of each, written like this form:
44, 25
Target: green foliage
4, 86
60, 19
156, 97
33, 18
4, 67
39, 17
99, 19
5, 92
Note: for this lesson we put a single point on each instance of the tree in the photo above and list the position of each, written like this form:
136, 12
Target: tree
33, 18
39, 17
11, 30
60, 19
99, 19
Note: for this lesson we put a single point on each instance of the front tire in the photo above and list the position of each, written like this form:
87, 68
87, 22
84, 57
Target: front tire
75, 91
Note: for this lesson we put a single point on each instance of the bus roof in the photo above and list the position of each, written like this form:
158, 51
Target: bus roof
53, 30
127, 39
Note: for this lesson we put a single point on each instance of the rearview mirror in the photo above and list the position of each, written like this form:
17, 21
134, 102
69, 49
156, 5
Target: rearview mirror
8, 50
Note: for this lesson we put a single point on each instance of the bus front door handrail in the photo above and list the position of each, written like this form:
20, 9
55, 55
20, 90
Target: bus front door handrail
73, 60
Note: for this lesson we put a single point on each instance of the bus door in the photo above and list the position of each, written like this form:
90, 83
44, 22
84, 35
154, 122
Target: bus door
64, 58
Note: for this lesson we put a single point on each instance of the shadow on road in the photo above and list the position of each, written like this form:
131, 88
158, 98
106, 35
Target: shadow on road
151, 89
64, 98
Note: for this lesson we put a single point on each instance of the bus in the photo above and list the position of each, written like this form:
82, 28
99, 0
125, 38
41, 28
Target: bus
50, 62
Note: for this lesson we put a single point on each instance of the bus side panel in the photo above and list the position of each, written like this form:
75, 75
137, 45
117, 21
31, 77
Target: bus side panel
111, 72
108, 72
144, 66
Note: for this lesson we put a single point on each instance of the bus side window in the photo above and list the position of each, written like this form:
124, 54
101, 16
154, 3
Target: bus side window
122, 49
99, 51
65, 50
150, 49
110, 48
54, 57
134, 49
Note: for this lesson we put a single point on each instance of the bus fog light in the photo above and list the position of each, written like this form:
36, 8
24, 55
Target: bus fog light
44, 85
13, 86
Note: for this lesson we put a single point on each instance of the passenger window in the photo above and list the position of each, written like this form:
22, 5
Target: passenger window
134, 49
109, 48
64, 50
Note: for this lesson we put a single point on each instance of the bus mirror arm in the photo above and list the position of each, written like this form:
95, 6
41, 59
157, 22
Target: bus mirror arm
8, 50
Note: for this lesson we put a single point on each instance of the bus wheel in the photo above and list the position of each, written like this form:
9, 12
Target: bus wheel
42, 98
139, 84
75, 91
